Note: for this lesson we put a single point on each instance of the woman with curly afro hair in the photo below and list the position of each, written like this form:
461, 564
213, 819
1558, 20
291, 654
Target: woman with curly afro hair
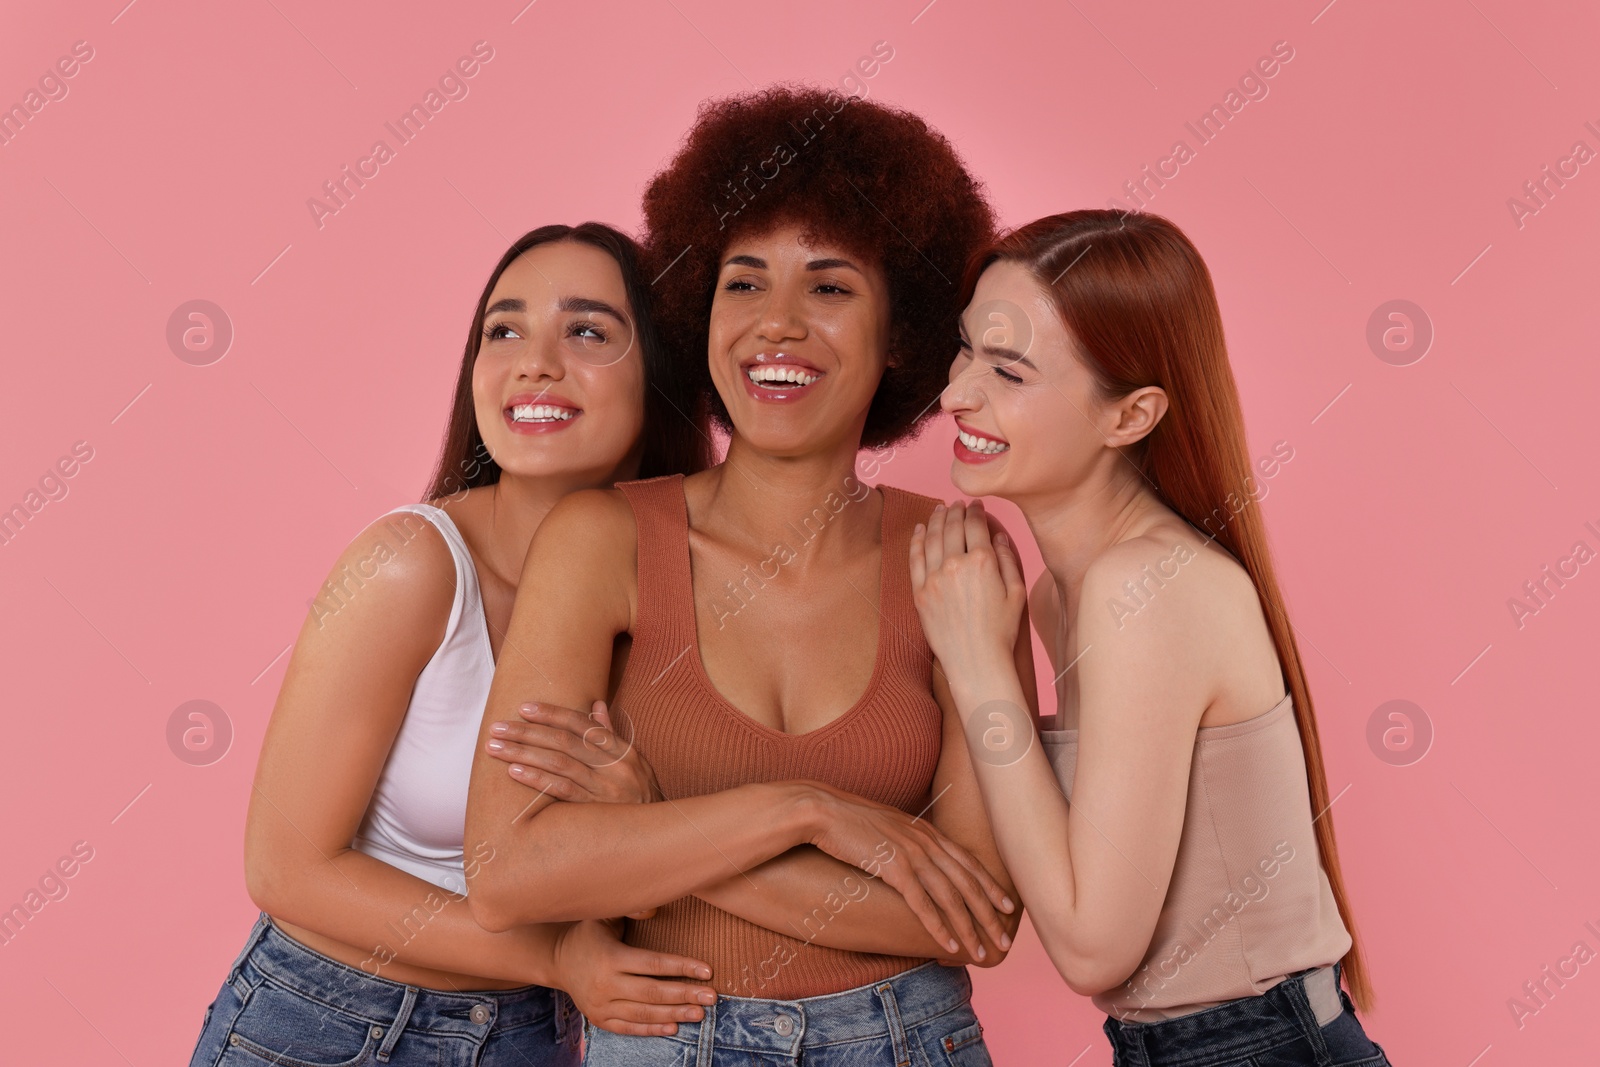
790, 796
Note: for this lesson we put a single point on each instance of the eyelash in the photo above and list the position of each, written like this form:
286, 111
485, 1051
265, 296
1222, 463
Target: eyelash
492, 333
735, 285
966, 350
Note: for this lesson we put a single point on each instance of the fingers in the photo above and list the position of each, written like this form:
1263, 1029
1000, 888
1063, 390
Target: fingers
934, 541
1010, 565
674, 1000
938, 873
906, 883
919, 559
955, 532
570, 744
639, 961
976, 527
978, 893
540, 758
639, 916
629, 1029
591, 739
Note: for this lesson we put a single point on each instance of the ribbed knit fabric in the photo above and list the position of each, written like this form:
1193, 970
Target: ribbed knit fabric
884, 748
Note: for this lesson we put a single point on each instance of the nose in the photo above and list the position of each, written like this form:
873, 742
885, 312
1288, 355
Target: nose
782, 315
964, 394
541, 359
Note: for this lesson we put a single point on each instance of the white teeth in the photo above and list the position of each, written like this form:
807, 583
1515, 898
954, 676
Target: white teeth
985, 445
540, 413
771, 373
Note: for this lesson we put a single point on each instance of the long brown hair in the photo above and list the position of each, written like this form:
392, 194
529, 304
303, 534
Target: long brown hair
675, 438
1139, 301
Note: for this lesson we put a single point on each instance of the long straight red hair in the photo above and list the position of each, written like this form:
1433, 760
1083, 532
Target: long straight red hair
1140, 303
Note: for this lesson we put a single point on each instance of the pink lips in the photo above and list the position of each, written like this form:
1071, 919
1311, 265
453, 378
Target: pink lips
540, 400
967, 455
779, 392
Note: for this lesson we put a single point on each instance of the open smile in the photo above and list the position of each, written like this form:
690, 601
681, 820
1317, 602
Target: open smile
544, 413
779, 376
973, 446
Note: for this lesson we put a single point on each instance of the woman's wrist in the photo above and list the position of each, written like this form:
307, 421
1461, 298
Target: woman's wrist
799, 809
980, 675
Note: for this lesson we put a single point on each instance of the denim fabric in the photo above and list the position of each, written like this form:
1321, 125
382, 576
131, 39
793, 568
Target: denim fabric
1276, 1029
286, 1005
918, 1018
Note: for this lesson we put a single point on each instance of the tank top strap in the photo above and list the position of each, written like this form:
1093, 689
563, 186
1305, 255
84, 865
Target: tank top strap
666, 587
902, 511
467, 610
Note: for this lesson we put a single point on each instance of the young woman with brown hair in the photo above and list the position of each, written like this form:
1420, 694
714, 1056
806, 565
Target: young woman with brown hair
365, 950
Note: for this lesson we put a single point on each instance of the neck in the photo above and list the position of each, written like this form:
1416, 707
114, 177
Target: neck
789, 499
1074, 525
518, 505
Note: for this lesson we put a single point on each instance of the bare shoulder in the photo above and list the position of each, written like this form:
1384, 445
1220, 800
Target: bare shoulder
586, 554
1173, 585
396, 574
598, 521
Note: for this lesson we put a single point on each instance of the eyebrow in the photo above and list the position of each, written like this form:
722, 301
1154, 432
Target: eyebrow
581, 304
815, 264
1010, 355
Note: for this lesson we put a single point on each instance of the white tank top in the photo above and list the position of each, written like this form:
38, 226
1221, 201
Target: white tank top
416, 820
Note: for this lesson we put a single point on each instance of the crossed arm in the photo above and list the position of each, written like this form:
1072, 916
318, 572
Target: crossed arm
745, 850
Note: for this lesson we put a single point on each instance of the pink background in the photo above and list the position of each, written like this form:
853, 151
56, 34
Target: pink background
179, 564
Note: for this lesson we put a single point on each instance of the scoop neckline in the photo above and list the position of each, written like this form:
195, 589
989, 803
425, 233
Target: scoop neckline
874, 683
1203, 733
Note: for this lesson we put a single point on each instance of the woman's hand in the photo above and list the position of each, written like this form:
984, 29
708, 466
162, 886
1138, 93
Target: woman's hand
942, 883
969, 590
573, 757
623, 989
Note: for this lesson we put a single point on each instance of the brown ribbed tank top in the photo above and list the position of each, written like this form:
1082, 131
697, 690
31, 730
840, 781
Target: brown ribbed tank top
884, 748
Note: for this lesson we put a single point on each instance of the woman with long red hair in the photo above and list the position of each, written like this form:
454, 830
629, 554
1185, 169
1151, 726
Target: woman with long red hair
1191, 886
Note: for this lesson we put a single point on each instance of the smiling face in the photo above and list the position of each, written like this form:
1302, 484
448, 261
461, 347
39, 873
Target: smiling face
798, 342
558, 385
1029, 417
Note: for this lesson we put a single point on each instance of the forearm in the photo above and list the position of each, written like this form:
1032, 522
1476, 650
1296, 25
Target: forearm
808, 894
1028, 813
398, 918
581, 861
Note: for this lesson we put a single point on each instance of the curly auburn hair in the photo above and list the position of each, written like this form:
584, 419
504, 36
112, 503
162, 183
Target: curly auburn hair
870, 178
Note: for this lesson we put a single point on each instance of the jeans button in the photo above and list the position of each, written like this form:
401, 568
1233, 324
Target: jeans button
784, 1026
377, 1032
480, 1013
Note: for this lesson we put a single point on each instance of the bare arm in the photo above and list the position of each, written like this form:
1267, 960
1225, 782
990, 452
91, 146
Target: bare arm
557, 860
807, 894
348, 685
565, 860
1095, 872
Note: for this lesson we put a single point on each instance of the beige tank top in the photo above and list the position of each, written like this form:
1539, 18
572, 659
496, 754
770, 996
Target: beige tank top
1249, 903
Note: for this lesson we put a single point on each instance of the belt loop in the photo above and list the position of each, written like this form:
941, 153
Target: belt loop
566, 1010
897, 1030
1307, 1018
257, 932
708, 1037
398, 1025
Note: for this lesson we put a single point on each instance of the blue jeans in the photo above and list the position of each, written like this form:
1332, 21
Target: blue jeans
922, 1016
288, 1006
1276, 1029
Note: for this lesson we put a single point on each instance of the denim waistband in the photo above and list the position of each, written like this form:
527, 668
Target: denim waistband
394, 1006
783, 1027
1298, 1006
